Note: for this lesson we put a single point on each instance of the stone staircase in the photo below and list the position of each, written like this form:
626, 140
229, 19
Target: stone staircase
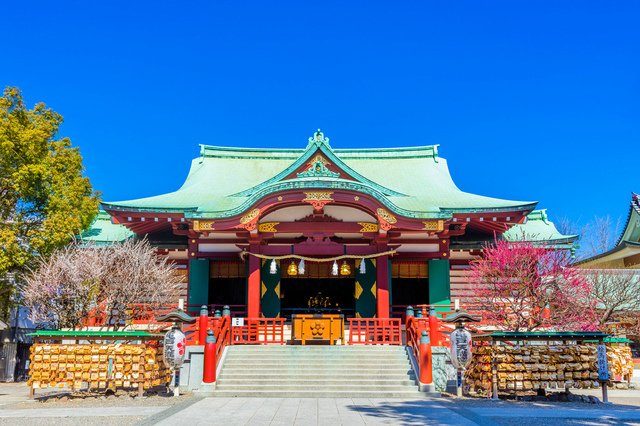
317, 371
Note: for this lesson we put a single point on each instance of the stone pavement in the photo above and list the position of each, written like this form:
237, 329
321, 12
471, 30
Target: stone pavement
314, 411
200, 410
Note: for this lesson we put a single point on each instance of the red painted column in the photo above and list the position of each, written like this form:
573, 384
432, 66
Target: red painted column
253, 284
209, 373
434, 328
426, 375
382, 282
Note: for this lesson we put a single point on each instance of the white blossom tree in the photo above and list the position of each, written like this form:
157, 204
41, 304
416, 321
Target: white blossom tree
119, 282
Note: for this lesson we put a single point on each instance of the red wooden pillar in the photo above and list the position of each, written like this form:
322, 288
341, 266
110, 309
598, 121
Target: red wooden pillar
426, 374
434, 328
209, 371
253, 284
382, 282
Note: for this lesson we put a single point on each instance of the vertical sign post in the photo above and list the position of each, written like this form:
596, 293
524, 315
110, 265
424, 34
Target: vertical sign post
603, 371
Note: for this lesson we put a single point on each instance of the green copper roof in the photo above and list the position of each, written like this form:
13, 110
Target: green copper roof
537, 228
412, 182
102, 231
631, 232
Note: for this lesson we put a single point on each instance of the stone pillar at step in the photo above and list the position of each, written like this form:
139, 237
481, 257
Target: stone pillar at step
440, 358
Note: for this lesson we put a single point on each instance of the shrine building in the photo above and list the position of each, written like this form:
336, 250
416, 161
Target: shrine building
362, 232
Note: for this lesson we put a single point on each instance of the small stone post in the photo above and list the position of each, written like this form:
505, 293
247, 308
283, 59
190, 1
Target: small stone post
217, 318
202, 324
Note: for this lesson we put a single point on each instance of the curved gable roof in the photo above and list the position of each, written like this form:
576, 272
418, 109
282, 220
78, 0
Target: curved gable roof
413, 182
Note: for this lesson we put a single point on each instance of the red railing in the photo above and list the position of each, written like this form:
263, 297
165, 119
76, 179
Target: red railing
223, 337
414, 329
375, 331
259, 331
237, 311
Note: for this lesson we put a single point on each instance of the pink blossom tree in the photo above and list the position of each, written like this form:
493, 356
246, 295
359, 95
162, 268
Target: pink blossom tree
526, 286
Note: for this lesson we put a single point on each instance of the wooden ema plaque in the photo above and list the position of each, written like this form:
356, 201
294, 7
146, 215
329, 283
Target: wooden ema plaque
97, 366
317, 327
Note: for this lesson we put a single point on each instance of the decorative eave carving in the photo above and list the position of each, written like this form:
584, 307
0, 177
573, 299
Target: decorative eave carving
316, 218
318, 199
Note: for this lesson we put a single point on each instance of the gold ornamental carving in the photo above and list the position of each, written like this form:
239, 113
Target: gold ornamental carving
277, 290
374, 290
433, 225
249, 216
368, 227
199, 225
319, 159
264, 290
318, 199
386, 216
318, 196
268, 227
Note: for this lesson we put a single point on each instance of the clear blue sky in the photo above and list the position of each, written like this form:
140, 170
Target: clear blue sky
534, 101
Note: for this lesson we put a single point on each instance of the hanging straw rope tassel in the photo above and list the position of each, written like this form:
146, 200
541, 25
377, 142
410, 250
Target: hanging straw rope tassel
315, 259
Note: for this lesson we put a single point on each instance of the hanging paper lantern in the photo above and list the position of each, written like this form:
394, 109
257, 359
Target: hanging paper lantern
334, 270
363, 267
274, 267
460, 348
301, 267
345, 269
292, 269
174, 348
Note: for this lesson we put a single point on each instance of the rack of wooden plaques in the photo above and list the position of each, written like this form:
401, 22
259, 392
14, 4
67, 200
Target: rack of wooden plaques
107, 360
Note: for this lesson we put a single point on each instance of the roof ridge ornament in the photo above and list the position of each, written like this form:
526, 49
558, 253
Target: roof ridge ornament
318, 139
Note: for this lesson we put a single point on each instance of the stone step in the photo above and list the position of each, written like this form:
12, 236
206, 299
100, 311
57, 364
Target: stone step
316, 364
268, 360
344, 387
304, 381
321, 394
312, 375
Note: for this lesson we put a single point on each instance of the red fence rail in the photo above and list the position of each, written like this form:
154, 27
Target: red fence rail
414, 329
374, 331
223, 337
259, 331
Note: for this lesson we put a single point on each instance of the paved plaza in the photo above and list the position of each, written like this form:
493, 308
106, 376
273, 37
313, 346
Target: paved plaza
199, 410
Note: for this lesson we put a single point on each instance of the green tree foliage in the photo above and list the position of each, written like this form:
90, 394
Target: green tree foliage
44, 198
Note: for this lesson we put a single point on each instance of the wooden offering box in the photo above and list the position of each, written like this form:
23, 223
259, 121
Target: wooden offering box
317, 327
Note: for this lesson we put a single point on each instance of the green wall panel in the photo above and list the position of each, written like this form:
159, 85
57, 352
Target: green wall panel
366, 289
198, 283
439, 282
269, 290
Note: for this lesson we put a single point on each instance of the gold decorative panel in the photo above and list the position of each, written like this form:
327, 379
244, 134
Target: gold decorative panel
318, 196
268, 227
199, 225
433, 225
374, 290
385, 215
368, 227
250, 216
264, 290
